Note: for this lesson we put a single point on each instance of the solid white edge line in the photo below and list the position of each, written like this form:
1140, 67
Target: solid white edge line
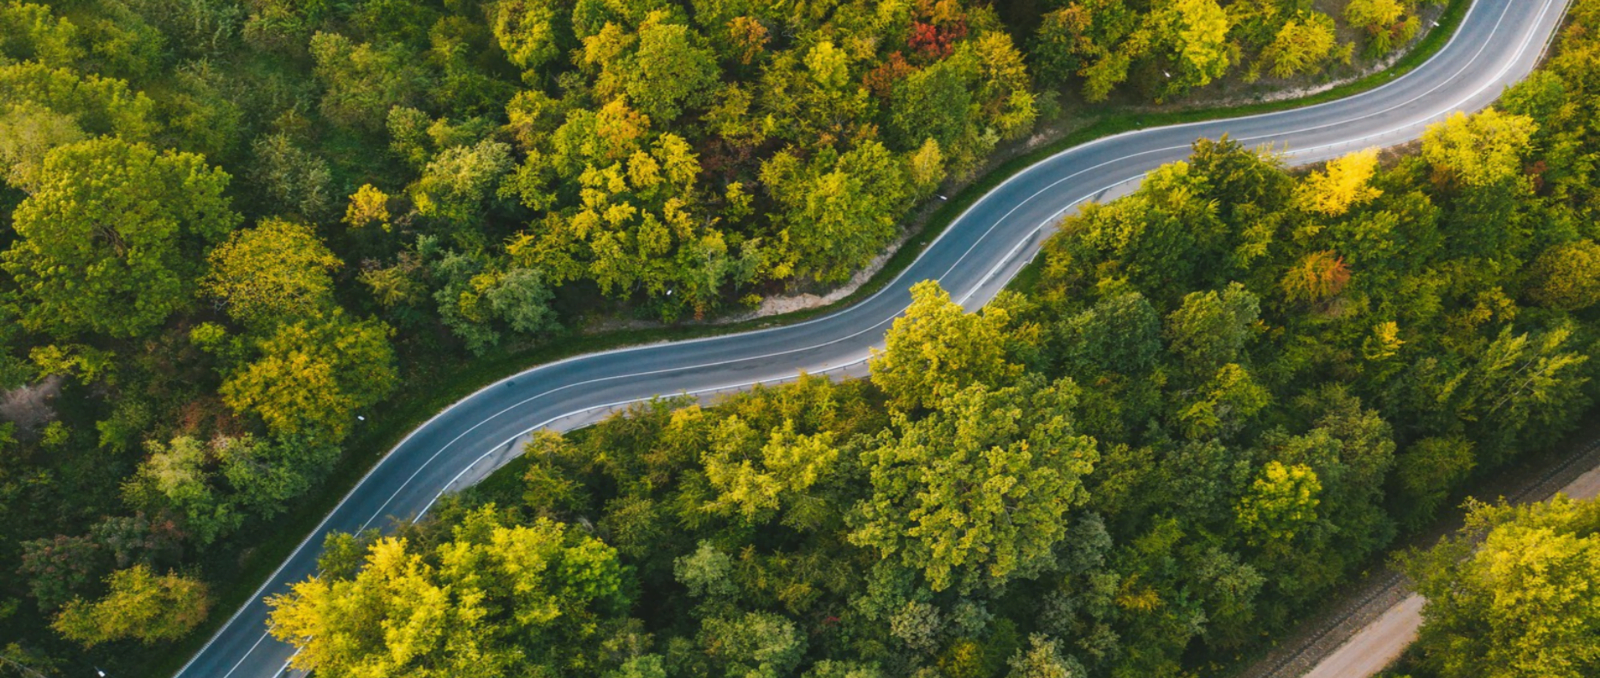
1465, 67
891, 285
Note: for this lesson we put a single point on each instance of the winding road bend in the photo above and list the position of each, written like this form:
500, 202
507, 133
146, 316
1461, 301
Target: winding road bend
1498, 43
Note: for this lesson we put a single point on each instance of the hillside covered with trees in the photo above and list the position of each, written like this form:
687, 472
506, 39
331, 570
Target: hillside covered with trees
230, 227
1222, 397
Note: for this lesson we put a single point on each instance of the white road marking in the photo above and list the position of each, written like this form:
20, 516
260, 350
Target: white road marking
892, 286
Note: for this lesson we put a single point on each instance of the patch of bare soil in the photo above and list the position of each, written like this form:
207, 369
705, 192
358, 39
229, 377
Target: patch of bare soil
779, 305
771, 305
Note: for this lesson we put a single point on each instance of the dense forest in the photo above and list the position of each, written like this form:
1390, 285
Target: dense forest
228, 228
1220, 398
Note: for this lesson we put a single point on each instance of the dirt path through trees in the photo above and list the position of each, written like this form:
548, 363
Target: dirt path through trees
1375, 623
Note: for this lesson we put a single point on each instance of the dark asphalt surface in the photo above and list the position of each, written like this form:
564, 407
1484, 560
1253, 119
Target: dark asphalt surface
1499, 42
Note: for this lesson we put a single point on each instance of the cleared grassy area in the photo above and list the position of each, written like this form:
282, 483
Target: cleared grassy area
245, 561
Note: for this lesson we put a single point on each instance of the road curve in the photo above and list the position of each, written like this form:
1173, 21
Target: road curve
1498, 43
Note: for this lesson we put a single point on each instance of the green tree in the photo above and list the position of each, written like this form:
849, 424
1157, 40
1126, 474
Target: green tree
29, 31
277, 272
838, 211
1302, 45
140, 606
112, 240
1518, 604
1336, 472
1223, 405
265, 475
98, 105
27, 133
206, 112
1279, 504
931, 103
474, 295
754, 480
362, 82
1386, 22
938, 349
175, 476
532, 32
1429, 470
1165, 239
1567, 276
977, 493
966, 102
521, 298
672, 70
343, 554
27, 663
293, 181
1212, 329
1083, 39
456, 182
313, 375
494, 600
646, 666
1524, 389
756, 645
1005, 90
707, 573
640, 225
828, 668
1119, 334
663, 70
1043, 659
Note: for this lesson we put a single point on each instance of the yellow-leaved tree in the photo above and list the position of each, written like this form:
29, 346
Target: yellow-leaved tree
1346, 183
938, 348
1303, 44
1481, 150
313, 375
1387, 23
1513, 594
140, 606
276, 272
494, 600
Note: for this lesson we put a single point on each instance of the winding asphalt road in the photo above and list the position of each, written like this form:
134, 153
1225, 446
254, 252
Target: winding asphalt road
1498, 43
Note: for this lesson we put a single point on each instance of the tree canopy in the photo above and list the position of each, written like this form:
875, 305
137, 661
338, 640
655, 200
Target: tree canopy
273, 272
239, 238
1221, 398
108, 239
1511, 595
494, 600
